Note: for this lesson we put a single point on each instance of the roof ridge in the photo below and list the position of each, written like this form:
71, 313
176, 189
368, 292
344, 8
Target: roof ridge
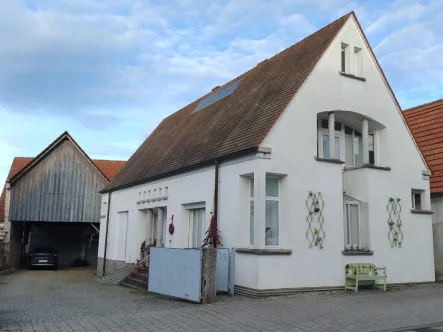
95, 159
425, 104
263, 62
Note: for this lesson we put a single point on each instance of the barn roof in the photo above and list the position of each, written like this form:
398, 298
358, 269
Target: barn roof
109, 168
230, 120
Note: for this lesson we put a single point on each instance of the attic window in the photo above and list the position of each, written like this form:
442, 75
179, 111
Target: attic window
218, 95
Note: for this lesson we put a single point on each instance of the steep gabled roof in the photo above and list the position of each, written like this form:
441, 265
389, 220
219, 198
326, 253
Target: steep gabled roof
234, 124
426, 123
109, 168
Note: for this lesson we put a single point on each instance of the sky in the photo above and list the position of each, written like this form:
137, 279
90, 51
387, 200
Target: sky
108, 71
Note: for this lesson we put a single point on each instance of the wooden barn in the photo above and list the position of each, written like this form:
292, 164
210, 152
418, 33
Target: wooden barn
53, 200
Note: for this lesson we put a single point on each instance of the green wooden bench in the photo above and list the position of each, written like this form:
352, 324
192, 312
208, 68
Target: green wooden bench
363, 272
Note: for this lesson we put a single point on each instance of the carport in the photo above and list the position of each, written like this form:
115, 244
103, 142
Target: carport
54, 201
71, 240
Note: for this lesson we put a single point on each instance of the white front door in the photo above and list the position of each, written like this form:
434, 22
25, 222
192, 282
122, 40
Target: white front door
122, 235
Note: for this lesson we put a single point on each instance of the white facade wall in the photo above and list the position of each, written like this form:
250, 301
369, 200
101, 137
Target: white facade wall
189, 188
437, 225
293, 141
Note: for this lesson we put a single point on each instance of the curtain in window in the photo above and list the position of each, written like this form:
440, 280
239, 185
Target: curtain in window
354, 224
198, 216
325, 138
272, 211
272, 215
251, 222
358, 150
349, 149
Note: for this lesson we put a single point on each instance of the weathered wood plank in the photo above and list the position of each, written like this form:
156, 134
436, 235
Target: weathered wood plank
62, 187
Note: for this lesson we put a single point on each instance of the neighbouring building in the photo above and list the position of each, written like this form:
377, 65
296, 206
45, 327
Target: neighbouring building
54, 200
425, 122
296, 204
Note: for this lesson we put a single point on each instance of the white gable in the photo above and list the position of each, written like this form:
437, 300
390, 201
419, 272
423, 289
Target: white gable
326, 90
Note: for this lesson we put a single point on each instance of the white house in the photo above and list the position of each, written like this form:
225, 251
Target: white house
296, 206
425, 122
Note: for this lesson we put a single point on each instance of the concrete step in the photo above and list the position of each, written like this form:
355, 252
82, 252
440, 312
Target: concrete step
139, 276
135, 283
117, 276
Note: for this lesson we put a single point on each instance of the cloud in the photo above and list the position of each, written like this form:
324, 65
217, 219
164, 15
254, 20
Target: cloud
109, 71
410, 51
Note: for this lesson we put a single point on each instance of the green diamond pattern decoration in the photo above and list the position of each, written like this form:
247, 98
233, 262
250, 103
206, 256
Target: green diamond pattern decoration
315, 234
395, 234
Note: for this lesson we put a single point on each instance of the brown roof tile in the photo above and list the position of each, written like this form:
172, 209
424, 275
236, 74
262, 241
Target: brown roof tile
425, 122
234, 124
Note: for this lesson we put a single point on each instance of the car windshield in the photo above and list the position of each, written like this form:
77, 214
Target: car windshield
44, 250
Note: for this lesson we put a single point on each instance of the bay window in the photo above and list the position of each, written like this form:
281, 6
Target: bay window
272, 211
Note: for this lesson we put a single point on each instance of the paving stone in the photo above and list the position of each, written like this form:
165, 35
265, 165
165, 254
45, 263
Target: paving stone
71, 301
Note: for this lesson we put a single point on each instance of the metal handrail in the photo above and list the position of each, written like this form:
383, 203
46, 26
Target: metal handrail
140, 263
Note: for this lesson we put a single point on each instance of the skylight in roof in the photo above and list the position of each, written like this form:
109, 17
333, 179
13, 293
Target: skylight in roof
219, 95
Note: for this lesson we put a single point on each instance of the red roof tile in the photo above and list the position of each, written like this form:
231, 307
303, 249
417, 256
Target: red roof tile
425, 122
109, 168
235, 124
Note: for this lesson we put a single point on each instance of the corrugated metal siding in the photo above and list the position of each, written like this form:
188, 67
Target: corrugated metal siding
63, 187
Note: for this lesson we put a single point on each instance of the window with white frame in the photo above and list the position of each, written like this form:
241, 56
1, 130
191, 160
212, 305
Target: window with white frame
352, 223
154, 226
348, 143
344, 58
417, 199
251, 211
356, 224
272, 211
196, 227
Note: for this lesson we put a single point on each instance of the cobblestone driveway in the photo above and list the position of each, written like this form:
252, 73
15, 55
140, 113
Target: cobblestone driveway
73, 301
31, 297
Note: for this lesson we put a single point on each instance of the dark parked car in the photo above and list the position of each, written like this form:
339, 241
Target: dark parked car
43, 257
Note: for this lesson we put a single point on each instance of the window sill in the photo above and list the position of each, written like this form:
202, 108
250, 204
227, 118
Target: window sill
421, 211
329, 160
264, 252
358, 78
357, 253
380, 168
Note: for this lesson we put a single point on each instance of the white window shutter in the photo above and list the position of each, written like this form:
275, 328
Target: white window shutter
364, 226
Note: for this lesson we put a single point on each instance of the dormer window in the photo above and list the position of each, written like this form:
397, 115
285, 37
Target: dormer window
344, 57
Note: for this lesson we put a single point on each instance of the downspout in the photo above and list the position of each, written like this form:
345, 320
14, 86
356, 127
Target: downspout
106, 235
216, 194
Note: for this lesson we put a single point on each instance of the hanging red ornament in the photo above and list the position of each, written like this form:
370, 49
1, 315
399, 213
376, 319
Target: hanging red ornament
171, 225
